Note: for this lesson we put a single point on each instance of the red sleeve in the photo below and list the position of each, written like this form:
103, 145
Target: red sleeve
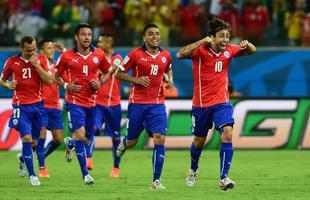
117, 60
128, 62
43, 61
195, 53
61, 64
237, 51
7, 70
104, 65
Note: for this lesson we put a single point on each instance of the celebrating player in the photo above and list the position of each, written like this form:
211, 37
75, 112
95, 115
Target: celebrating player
81, 63
28, 71
52, 117
108, 108
211, 57
146, 107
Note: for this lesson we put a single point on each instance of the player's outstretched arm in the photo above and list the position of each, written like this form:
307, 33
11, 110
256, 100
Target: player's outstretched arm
143, 80
185, 51
248, 47
11, 85
44, 75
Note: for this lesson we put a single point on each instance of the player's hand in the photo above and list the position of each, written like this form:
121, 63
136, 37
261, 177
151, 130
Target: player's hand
143, 80
244, 44
95, 84
169, 85
58, 46
12, 85
34, 60
207, 40
72, 87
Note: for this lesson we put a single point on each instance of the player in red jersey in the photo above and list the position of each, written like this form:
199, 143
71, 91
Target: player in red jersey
211, 58
108, 104
52, 117
82, 64
146, 107
28, 71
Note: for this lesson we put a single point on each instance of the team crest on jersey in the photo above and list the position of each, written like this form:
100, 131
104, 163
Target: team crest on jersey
117, 62
226, 54
95, 60
15, 121
164, 59
70, 125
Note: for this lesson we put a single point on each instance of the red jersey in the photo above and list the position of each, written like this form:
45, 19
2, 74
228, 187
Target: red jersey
51, 92
29, 84
109, 93
82, 69
143, 63
210, 73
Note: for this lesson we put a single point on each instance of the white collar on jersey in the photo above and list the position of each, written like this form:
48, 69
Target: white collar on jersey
217, 54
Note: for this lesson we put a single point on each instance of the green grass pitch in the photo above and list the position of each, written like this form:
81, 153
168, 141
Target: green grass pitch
259, 175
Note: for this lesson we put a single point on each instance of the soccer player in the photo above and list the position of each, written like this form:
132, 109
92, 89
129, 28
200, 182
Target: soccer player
108, 104
52, 115
146, 108
211, 57
81, 63
28, 71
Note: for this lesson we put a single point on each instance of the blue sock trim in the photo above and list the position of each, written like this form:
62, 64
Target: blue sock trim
195, 156
226, 155
81, 155
158, 160
40, 152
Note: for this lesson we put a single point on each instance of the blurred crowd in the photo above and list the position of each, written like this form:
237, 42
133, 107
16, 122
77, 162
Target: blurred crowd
263, 22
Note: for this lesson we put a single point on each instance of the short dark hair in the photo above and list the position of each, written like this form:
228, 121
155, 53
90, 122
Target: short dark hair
26, 39
80, 26
149, 26
216, 25
42, 42
109, 35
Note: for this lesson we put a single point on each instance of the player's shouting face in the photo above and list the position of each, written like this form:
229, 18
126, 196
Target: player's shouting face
221, 39
83, 38
152, 37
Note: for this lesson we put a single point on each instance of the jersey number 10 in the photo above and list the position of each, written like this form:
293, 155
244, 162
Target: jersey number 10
218, 66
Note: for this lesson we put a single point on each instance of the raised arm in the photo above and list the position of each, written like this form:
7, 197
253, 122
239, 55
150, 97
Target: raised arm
44, 75
248, 47
185, 51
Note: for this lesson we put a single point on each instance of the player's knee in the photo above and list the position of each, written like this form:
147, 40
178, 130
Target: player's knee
27, 138
226, 137
131, 143
43, 133
158, 138
80, 134
199, 142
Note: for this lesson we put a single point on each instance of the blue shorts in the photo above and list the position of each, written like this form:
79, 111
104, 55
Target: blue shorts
203, 118
111, 117
27, 119
52, 119
79, 116
152, 117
